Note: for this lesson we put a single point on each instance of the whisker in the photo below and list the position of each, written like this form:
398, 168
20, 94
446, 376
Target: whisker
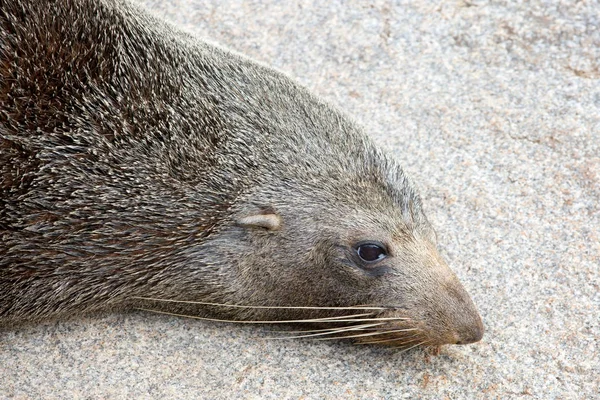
204, 303
351, 318
331, 331
415, 336
416, 345
326, 329
379, 332
376, 333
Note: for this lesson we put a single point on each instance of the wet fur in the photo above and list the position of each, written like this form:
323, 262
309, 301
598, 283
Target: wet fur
132, 157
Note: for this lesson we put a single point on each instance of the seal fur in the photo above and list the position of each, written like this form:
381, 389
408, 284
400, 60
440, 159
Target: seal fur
141, 167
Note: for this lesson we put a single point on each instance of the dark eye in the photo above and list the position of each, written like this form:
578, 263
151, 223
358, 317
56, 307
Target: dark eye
371, 252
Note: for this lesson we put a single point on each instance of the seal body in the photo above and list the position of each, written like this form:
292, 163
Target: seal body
138, 162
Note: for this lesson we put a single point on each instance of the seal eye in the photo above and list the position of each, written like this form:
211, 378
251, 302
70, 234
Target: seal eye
371, 252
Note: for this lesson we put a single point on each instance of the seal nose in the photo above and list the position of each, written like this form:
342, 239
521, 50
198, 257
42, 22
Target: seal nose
471, 333
466, 324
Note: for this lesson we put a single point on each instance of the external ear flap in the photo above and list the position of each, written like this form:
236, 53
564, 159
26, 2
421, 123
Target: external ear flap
270, 221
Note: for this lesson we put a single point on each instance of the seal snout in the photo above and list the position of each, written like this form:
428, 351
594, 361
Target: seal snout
466, 324
453, 317
464, 329
471, 332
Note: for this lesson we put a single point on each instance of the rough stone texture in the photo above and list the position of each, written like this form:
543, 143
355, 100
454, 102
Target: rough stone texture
494, 109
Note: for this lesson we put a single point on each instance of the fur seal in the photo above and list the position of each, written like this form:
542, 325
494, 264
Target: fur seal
141, 167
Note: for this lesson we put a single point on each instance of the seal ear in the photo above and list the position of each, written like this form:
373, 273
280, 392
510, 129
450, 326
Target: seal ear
270, 221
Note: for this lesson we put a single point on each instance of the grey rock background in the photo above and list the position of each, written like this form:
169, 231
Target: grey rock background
494, 109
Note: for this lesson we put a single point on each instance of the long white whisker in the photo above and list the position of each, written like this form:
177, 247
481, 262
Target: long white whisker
325, 329
413, 337
314, 320
367, 334
416, 345
262, 307
330, 331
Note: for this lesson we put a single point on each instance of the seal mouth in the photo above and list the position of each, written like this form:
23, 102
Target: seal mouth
397, 332
390, 328
396, 328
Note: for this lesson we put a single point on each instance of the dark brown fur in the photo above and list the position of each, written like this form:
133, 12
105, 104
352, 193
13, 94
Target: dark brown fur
136, 161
